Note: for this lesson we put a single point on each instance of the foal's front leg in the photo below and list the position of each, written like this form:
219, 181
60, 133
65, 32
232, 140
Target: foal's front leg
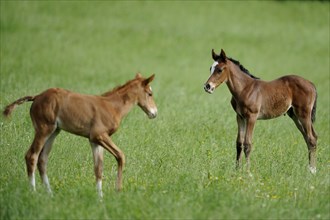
250, 122
108, 144
240, 139
98, 166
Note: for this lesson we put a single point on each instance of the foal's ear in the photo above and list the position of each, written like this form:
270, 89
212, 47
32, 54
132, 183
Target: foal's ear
138, 75
223, 55
215, 56
147, 81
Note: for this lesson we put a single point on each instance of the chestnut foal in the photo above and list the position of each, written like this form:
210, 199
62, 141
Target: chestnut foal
90, 116
254, 99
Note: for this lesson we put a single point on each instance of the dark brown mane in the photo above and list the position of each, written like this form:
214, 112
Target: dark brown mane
242, 68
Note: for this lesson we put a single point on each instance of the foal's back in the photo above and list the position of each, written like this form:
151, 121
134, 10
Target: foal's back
72, 112
299, 90
283, 93
291, 84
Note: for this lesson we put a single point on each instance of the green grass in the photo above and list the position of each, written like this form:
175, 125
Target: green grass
180, 165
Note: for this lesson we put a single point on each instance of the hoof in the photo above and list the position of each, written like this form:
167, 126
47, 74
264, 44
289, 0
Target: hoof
312, 169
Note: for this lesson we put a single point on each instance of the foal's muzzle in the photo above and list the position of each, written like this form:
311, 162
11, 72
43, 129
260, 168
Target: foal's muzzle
208, 88
152, 113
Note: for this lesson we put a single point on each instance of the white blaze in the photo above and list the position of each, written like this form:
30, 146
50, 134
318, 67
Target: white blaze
213, 67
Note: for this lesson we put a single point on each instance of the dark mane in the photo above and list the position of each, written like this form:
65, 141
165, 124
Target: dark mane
242, 68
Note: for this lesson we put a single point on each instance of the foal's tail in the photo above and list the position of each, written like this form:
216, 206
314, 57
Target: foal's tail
8, 110
314, 107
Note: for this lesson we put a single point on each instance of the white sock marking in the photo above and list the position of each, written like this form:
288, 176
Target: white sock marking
46, 182
312, 169
33, 182
99, 188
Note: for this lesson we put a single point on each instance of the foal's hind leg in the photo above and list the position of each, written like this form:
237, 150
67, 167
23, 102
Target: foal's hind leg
98, 166
303, 121
311, 141
41, 136
43, 159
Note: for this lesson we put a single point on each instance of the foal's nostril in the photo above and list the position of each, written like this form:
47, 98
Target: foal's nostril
208, 88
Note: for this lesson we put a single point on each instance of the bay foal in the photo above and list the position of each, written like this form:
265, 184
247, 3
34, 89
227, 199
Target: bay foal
254, 99
90, 116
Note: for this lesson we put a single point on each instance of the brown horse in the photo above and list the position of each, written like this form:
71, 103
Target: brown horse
90, 116
254, 99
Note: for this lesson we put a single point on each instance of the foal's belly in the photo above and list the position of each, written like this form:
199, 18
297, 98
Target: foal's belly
274, 109
74, 127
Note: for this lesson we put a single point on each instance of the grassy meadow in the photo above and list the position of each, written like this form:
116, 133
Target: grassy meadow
180, 165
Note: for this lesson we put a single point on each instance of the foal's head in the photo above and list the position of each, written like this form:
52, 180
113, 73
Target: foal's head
144, 96
219, 72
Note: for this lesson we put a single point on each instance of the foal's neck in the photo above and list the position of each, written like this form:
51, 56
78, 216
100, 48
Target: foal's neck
238, 80
122, 101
